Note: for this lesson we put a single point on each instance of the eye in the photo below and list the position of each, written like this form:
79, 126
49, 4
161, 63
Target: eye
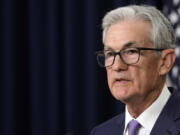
108, 54
130, 51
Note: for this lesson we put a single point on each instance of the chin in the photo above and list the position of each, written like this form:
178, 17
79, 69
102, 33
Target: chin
120, 94
122, 99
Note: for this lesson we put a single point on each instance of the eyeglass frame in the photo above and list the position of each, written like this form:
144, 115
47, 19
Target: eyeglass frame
119, 53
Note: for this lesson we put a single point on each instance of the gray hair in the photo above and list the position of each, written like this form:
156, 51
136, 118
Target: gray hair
162, 32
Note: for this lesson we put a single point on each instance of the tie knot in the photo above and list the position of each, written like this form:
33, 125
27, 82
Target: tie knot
133, 127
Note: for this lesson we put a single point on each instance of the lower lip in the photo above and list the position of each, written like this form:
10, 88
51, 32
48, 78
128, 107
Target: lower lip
123, 82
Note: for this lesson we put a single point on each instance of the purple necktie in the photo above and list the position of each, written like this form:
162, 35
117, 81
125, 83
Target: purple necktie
133, 127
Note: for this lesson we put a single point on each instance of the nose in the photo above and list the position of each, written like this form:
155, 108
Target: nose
119, 64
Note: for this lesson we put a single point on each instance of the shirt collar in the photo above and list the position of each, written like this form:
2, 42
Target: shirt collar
148, 118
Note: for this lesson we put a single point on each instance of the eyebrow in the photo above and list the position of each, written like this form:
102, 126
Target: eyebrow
126, 45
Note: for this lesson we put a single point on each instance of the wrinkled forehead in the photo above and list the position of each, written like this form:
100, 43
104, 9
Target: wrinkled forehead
128, 33
133, 19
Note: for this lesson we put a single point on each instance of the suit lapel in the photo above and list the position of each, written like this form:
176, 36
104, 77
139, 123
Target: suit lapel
120, 123
168, 122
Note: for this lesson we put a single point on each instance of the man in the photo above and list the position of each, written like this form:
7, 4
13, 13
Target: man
138, 53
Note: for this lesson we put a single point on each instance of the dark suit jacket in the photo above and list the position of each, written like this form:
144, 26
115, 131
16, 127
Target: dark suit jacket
168, 122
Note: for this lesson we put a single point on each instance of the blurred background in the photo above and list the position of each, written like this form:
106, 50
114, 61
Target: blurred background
50, 83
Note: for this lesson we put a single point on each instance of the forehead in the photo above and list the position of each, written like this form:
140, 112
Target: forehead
128, 31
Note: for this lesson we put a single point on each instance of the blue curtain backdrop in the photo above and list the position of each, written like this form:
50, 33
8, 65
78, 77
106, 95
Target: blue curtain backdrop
50, 81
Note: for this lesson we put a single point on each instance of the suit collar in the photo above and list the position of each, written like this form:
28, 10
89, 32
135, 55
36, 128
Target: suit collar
173, 105
169, 120
120, 121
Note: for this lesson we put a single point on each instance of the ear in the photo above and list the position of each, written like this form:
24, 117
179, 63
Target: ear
167, 57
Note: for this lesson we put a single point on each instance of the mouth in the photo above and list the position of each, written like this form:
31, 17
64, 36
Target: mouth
121, 81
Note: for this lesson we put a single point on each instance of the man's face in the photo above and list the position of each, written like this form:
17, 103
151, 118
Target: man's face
129, 83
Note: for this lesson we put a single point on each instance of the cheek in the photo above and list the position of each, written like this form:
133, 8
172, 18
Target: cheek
145, 76
109, 78
139, 76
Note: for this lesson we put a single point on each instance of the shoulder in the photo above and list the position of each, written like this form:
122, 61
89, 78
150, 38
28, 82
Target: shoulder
170, 116
110, 126
172, 106
175, 96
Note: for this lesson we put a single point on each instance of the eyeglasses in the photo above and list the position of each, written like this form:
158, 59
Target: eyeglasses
128, 56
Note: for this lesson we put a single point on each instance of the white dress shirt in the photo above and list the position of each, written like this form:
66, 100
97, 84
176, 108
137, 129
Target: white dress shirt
148, 118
